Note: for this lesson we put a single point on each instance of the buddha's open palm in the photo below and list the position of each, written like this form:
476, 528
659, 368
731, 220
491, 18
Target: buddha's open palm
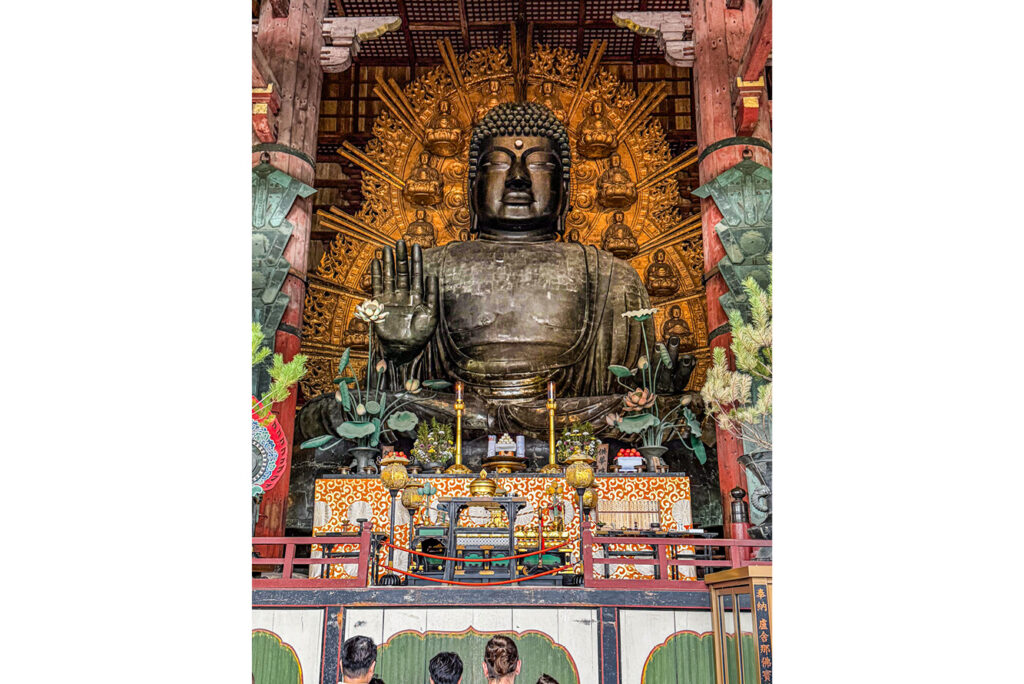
412, 311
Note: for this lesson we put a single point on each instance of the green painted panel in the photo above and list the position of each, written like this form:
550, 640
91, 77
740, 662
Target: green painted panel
689, 658
685, 658
273, 661
405, 657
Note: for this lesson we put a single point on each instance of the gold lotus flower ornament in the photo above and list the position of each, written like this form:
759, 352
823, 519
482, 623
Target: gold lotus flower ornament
371, 311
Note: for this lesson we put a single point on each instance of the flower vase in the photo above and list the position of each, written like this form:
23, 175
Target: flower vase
649, 453
365, 458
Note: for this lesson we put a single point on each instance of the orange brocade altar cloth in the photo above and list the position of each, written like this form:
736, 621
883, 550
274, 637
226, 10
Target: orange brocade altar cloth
653, 497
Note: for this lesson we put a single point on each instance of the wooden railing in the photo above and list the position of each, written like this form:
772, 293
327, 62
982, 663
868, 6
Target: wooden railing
289, 561
666, 555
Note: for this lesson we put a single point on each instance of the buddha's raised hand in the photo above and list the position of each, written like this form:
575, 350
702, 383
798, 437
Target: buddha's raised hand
412, 312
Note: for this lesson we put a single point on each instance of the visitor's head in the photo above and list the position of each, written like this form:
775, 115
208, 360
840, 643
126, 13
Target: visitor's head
445, 668
358, 658
546, 679
519, 170
501, 660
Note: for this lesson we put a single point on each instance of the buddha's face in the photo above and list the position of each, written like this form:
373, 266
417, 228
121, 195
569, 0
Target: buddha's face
518, 185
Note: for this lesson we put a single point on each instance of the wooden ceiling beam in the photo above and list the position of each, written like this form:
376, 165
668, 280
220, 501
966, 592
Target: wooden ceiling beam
748, 92
759, 46
464, 24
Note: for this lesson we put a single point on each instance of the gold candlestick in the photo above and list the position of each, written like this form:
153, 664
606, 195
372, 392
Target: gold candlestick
460, 405
552, 465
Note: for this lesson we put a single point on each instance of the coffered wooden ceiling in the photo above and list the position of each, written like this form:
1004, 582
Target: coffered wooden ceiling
472, 24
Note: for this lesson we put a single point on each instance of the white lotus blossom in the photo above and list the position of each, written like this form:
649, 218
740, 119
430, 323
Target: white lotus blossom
371, 311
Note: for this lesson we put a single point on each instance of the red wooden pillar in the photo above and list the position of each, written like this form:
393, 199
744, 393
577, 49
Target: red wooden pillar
720, 38
291, 45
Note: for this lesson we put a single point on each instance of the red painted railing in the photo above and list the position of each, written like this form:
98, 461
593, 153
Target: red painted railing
289, 561
665, 550
738, 554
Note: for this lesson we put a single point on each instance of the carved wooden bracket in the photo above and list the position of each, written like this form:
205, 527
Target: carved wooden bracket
674, 31
747, 106
265, 105
344, 35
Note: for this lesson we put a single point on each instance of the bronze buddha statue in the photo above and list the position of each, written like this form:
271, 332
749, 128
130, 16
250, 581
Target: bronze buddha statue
514, 308
420, 232
618, 238
662, 279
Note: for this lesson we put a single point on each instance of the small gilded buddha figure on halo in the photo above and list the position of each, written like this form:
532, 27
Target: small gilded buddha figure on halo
549, 99
366, 280
618, 238
443, 135
676, 326
615, 189
357, 334
597, 136
491, 99
662, 279
424, 187
421, 231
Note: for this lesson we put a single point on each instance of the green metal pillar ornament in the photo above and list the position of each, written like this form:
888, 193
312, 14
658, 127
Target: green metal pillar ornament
743, 194
273, 193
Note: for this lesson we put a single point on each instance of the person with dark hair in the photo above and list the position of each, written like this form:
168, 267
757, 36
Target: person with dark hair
547, 679
378, 680
501, 660
358, 658
446, 668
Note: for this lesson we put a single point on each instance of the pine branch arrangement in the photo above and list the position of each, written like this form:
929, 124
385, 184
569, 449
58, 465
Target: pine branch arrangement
282, 375
730, 395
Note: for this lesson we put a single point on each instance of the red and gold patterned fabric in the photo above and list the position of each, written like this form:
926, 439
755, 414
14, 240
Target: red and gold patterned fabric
341, 500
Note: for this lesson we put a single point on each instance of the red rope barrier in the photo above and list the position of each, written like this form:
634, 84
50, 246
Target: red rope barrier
478, 584
489, 560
